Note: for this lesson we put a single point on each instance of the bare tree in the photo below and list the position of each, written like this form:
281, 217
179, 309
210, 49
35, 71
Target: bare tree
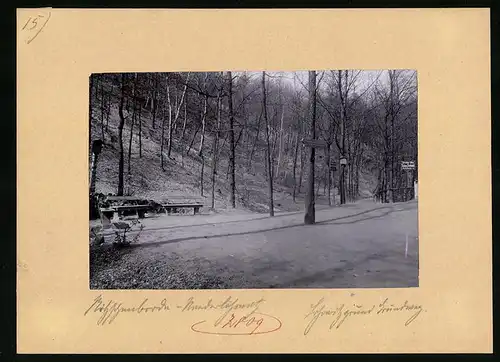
162, 142
232, 195
102, 110
120, 135
215, 146
310, 217
177, 112
140, 130
155, 97
269, 167
134, 114
202, 141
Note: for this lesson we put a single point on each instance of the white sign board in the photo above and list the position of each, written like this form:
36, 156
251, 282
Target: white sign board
408, 165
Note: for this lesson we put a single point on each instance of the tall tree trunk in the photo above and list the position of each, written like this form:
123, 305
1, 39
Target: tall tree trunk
329, 176
235, 147
177, 111
343, 137
102, 111
295, 156
192, 139
202, 171
108, 108
91, 160
387, 185
232, 196
269, 167
301, 175
184, 121
93, 174
203, 120
280, 149
91, 88
130, 144
215, 148
162, 146
169, 119
120, 136
318, 181
140, 131
155, 98
310, 217
255, 141
203, 116
134, 114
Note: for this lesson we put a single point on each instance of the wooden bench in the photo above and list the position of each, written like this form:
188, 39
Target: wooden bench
171, 204
129, 199
170, 208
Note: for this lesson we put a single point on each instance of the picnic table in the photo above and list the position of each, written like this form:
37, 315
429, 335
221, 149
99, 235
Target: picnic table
115, 206
118, 205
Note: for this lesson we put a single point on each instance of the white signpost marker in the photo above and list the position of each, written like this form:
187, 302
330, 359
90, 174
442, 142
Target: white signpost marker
406, 248
408, 165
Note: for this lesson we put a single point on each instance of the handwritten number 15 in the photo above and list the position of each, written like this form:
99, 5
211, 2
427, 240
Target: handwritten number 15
34, 22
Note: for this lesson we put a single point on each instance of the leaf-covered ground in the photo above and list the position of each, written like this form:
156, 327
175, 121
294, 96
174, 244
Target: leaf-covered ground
114, 267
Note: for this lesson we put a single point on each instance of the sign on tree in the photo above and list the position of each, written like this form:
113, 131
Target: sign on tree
408, 165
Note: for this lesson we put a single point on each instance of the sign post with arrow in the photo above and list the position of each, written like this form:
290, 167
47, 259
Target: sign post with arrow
313, 144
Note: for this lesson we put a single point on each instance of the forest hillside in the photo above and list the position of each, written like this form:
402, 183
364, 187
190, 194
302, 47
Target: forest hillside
168, 134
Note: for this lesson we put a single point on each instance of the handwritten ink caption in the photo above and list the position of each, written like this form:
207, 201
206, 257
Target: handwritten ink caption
236, 318
339, 314
111, 309
231, 316
34, 25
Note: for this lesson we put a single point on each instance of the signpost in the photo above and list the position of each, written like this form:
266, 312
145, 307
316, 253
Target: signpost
314, 143
408, 165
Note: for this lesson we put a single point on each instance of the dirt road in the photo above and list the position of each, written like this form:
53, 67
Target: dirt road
360, 245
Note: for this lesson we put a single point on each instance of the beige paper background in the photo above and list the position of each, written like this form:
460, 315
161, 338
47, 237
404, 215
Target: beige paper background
450, 50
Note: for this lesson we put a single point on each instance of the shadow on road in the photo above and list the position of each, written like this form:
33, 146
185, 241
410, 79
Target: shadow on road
390, 209
342, 273
318, 209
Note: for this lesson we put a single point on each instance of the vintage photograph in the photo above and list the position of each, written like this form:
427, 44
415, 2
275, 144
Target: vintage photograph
253, 179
